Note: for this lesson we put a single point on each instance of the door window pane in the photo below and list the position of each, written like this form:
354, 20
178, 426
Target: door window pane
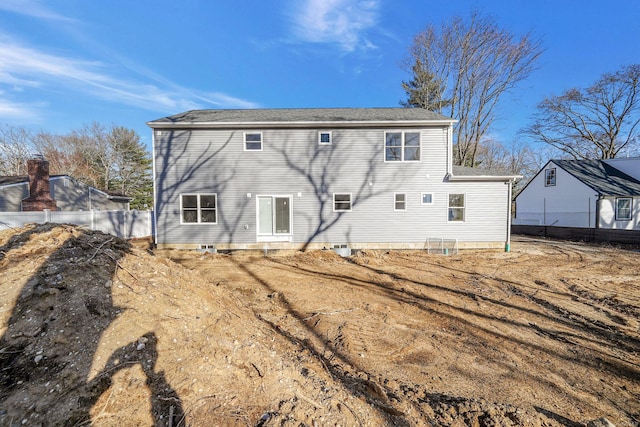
265, 215
282, 215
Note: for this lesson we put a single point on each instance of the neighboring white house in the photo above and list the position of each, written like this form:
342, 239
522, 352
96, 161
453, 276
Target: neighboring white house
584, 194
316, 178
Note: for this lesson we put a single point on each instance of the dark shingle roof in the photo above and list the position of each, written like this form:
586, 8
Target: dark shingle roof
301, 115
602, 177
468, 171
8, 180
17, 179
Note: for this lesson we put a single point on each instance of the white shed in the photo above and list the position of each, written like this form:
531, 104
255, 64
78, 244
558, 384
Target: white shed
584, 194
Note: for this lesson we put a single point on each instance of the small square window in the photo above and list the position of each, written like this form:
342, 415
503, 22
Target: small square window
324, 138
342, 202
550, 177
427, 198
400, 202
623, 209
253, 141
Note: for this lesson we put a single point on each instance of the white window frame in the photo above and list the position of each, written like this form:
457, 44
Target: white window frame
350, 202
244, 141
395, 202
198, 209
274, 236
325, 132
547, 173
463, 207
620, 218
403, 146
422, 199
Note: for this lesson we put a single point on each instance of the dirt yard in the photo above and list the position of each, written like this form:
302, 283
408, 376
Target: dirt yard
96, 331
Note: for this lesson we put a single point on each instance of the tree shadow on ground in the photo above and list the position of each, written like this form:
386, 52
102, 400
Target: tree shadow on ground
423, 295
52, 335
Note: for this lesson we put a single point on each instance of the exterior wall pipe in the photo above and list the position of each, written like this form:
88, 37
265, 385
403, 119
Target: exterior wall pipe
507, 246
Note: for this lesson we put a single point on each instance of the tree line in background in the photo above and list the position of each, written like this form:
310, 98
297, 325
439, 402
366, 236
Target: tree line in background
109, 158
464, 68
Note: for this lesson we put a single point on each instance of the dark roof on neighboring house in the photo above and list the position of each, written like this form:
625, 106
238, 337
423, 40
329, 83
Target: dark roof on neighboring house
462, 172
300, 115
602, 177
9, 180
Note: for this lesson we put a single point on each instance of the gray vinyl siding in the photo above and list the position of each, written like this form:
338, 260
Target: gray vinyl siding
293, 163
11, 197
69, 194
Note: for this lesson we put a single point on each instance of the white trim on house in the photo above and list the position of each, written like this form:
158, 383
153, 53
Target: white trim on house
301, 124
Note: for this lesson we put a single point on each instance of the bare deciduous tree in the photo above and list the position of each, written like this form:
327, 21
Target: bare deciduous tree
469, 65
108, 158
593, 123
15, 149
516, 159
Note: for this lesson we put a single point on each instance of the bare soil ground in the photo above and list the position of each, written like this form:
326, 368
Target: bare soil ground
96, 331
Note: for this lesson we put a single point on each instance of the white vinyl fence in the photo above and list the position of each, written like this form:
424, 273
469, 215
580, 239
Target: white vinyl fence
125, 224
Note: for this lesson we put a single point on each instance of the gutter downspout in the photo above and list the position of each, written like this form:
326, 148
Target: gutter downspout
598, 202
154, 217
507, 245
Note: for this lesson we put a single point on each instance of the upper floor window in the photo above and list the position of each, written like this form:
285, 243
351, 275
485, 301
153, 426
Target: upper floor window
550, 177
253, 141
342, 202
198, 208
402, 147
456, 207
623, 208
324, 138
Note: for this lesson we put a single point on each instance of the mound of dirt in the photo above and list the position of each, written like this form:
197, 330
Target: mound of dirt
95, 330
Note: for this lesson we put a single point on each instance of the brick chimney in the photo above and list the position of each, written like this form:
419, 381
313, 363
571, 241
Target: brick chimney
39, 193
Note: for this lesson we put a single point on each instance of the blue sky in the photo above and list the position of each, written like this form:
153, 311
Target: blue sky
66, 63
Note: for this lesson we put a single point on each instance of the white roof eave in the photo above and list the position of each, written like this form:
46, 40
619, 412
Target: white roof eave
297, 124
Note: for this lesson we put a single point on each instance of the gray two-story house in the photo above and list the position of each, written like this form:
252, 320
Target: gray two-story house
320, 178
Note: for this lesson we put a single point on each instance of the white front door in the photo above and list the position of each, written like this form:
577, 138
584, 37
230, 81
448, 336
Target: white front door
274, 218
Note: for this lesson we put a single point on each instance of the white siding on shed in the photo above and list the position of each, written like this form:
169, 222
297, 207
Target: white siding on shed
570, 203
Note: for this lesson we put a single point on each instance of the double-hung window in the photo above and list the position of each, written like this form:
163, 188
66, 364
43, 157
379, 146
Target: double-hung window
400, 202
550, 177
342, 202
402, 147
456, 207
198, 209
623, 208
253, 141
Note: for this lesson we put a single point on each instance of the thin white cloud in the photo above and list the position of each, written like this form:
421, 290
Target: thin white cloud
341, 22
33, 8
15, 111
23, 67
